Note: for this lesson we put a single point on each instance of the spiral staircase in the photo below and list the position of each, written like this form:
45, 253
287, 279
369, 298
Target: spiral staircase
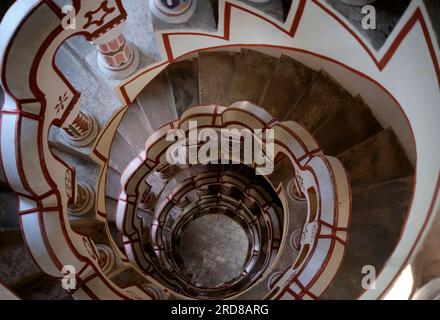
85, 183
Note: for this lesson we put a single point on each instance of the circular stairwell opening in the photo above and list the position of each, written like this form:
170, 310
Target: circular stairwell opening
338, 119
214, 249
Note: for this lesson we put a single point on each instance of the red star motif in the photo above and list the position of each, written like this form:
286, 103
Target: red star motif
98, 16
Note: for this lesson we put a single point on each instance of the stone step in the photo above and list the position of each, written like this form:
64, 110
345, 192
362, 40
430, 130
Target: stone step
86, 170
40, 287
15, 259
323, 99
111, 205
289, 81
273, 8
135, 128
113, 184
121, 153
378, 215
378, 159
184, 79
349, 127
252, 74
216, 71
286, 7
8, 210
157, 102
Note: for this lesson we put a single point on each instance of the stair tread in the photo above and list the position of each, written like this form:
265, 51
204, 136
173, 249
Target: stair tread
111, 205
113, 184
321, 101
253, 73
41, 287
133, 127
121, 153
216, 72
15, 259
289, 81
378, 215
8, 209
184, 82
349, 127
378, 159
157, 102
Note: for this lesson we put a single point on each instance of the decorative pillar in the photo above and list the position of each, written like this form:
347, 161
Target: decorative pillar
184, 203
167, 172
83, 130
106, 258
117, 58
154, 292
173, 11
273, 279
293, 190
295, 239
85, 199
148, 202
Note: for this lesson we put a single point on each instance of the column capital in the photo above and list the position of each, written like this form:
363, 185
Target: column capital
117, 57
173, 11
83, 130
85, 199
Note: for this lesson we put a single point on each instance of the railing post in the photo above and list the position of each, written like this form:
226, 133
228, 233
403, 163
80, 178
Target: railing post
85, 199
167, 172
117, 58
148, 202
83, 130
173, 11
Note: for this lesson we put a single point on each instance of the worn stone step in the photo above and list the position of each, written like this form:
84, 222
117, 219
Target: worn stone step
8, 209
273, 8
378, 215
113, 184
253, 73
15, 259
378, 159
111, 205
135, 128
289, 81
121, 153
216, 71
184, 79
323, 99
40, 287
157, 101
349, 127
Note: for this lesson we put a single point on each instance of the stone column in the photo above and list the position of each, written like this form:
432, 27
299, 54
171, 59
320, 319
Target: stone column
106, 257
173, 11
184, 203
85, 199
273, 278
293, 190
295, 239
148, 202
167, 172
117, 58
83, 130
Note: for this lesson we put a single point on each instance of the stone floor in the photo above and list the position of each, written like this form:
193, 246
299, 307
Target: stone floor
214, 250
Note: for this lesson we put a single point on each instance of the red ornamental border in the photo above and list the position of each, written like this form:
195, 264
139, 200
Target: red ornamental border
91, 280
381, 64
309, 167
